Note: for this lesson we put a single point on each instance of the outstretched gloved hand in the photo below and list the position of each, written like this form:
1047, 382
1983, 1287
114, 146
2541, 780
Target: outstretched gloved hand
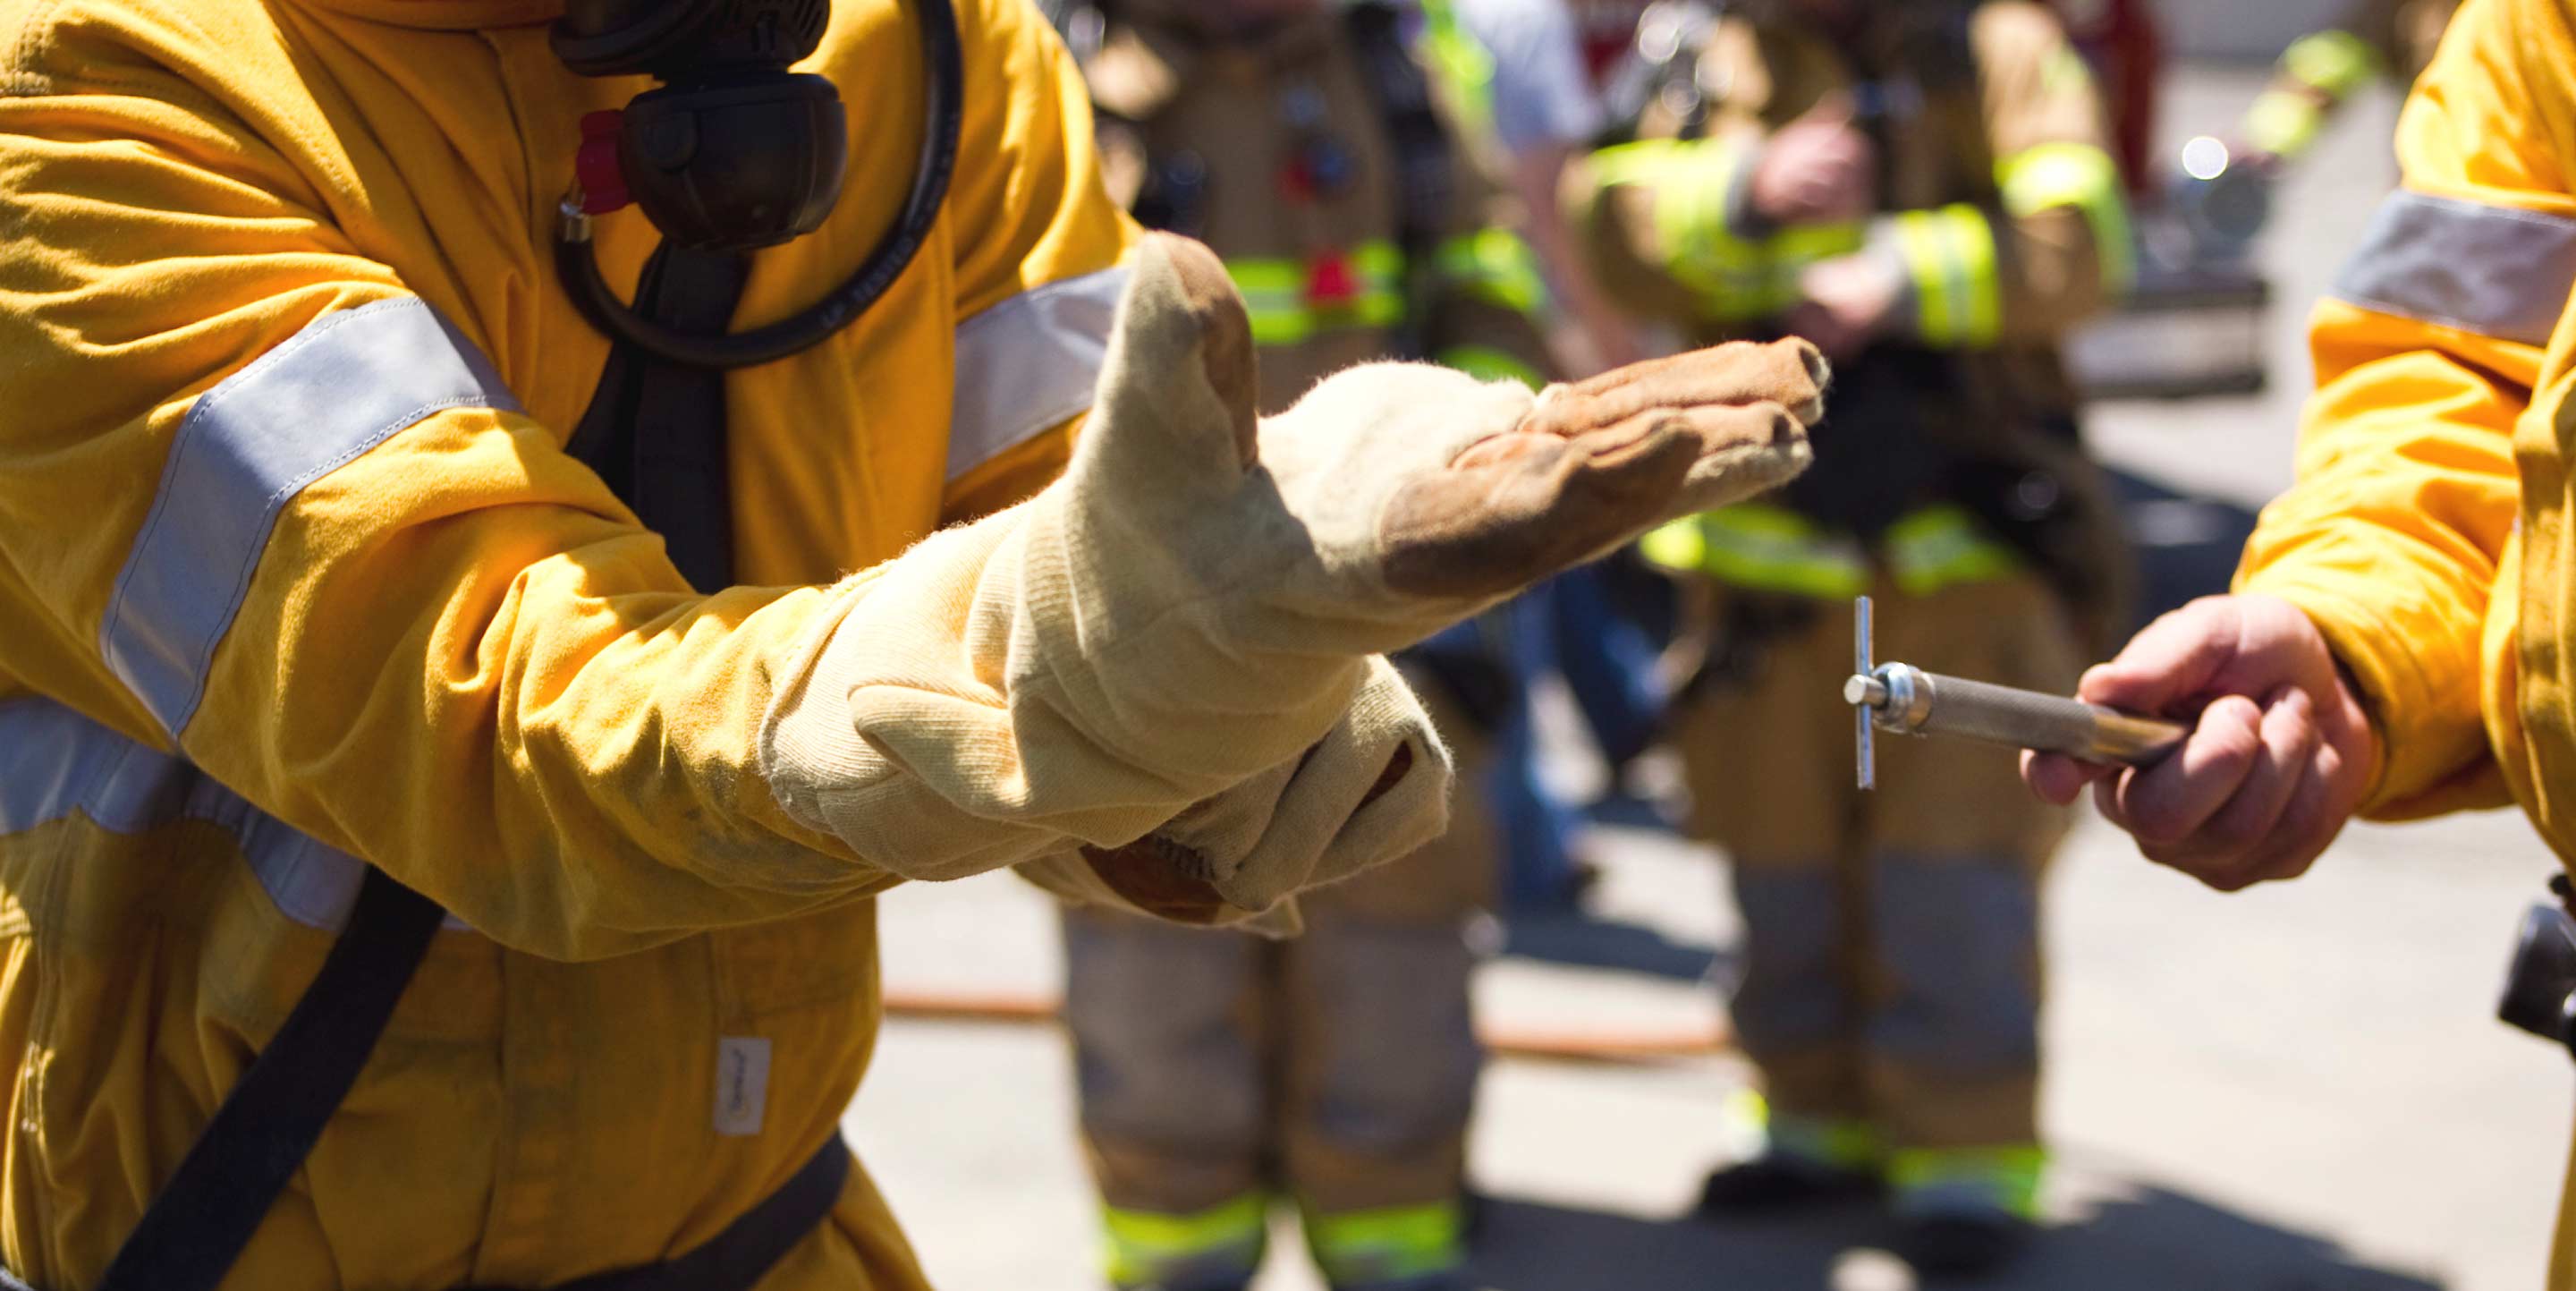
1167, 656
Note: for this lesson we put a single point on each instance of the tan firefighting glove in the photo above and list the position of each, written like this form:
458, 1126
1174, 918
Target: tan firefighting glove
1176, 638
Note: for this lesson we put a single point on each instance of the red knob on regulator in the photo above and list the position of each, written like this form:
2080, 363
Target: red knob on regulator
596, 168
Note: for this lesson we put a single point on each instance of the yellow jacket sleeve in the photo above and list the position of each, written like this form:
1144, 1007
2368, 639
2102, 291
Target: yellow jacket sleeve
1039, 214
2426, 352
267, 502
2055, 248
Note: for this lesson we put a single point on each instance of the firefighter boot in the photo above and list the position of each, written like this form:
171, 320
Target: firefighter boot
1965, 1212
1801, 1161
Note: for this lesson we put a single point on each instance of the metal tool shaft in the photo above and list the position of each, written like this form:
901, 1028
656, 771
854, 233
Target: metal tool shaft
1908, 699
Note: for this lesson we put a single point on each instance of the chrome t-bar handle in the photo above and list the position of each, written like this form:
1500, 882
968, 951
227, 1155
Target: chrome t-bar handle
1903, 698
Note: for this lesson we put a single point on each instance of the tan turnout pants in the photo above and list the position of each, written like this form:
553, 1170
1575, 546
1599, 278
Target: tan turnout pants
1891, 970
1337, 1068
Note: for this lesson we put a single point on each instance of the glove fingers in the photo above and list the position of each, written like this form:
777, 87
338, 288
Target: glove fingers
1790, 373
1375, 788
1521, 506
1401, 815
1174, 418
1743, 451
1161, 878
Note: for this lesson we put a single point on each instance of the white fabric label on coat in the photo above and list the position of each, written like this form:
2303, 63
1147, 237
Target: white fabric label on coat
742, 1084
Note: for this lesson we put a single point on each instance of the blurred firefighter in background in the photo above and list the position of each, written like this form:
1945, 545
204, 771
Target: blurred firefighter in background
1316, 147
2125, 46
1925, 190
2319, 71
2224, 190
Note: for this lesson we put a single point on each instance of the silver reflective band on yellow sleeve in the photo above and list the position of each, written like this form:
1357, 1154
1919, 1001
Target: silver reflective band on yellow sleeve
1029, 363
55, 763
2498, 271
344, 384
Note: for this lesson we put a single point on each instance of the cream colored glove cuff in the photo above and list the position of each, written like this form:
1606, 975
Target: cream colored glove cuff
1373, 790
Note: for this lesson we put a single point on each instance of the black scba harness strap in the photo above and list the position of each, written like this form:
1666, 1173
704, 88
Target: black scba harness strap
258, 1139
655, 431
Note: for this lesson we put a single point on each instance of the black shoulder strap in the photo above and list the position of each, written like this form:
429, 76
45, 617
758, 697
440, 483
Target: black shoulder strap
258, 1139
655, 430
1426, 176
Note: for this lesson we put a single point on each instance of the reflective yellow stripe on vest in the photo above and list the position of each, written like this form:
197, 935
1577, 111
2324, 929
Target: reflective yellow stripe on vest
2086, 178
1494, 266
1736, 279
1463, 65
1756, 545
2333, 62
1688, 181
1146, 1247
2320, 68
1942, 546
1773, 549
1485, 363
1387, 1245
1950, 256
1275, 292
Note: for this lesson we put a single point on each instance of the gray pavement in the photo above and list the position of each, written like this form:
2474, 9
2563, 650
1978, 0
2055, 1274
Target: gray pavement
2294, 1089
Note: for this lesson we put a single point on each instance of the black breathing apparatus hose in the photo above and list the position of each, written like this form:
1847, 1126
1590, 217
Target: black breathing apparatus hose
943, 124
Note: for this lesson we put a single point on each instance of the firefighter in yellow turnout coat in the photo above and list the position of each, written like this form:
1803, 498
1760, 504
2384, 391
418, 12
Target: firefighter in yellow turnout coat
1925, 189
309, 619
2398, 647
1219, 1071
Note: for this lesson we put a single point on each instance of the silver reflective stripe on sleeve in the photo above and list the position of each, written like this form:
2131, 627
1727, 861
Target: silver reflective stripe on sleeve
344, 384
1029, 363
55, 762
2494, 270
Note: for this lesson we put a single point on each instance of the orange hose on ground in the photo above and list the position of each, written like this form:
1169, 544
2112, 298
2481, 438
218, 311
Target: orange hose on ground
1602, 1046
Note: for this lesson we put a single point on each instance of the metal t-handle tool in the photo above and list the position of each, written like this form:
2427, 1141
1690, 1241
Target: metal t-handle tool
1903, 698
